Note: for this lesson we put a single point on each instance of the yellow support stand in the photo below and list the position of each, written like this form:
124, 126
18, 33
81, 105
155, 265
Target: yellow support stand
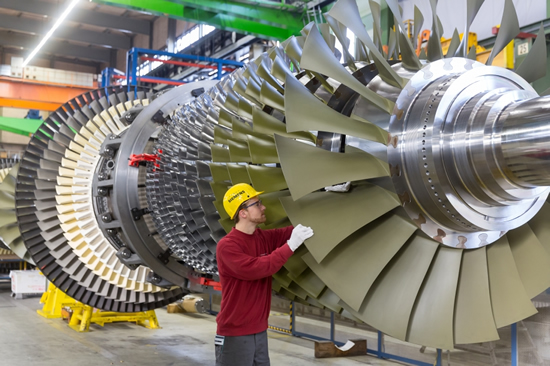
55, 300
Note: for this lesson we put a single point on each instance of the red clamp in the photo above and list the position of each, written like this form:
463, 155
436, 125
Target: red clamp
142, 159
208, 282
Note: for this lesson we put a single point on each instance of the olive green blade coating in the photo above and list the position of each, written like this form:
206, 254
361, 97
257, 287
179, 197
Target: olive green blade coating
352, 269
335, 216
436, 301
473, 310
309, 168
510, 301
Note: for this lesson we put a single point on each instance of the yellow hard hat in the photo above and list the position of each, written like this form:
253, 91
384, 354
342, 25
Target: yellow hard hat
236, 195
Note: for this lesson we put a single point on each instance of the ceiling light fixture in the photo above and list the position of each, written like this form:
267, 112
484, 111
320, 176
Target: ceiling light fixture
72, 4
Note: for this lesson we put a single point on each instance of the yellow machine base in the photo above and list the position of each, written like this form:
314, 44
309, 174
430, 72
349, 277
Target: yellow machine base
55, 300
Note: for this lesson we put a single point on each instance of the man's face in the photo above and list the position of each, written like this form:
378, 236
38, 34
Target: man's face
255, 211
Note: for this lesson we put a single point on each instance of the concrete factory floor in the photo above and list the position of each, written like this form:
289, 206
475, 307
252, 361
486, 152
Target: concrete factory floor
185, 339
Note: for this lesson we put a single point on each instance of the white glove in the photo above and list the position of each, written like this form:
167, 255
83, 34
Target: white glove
344, 187
299, 234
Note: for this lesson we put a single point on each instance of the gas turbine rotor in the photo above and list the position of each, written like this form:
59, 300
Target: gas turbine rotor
456, 156
377, 254
374, 256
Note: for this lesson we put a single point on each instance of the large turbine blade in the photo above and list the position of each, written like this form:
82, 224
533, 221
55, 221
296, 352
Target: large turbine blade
267, 124
266, 178
453, 46
408, 55
317, 168
532, 261
508, 296
352, 269
472, 8
304, 112
418, 22
509, 29
348, 214
390, 300
473, 312
316, 57
533, 66
347, 13
436, 301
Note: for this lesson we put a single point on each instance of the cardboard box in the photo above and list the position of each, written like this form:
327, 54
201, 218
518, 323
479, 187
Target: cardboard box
28, 282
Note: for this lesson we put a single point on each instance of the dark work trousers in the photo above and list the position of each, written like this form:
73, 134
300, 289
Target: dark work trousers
248, 350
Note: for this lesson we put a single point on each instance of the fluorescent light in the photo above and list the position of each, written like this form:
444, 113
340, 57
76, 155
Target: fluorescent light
49, 34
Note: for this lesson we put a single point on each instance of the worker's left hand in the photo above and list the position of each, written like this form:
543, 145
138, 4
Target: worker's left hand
298, 236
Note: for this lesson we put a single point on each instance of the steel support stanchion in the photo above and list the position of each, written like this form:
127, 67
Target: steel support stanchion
514, 345
332, 326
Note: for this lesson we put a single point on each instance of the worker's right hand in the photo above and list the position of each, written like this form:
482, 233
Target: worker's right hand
298, 236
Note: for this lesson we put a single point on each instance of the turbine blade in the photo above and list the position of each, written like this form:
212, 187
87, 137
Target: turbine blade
348, 214
270, 96
377, 25
238, 174
219, 172
347, 13
508, 296
418, 23
340, 32
453, 46
532, 261
267, 124
540, 228
434, 43
294, 51
307, 168
309, 281
352, 269
436, 301
472, 53
473, 311
472, 8
317, 57
220, 154
267, 179
509, 29
280, 69
274, 211
390, 300
533, 66
330, 39
304, 112
409, 58
262, 150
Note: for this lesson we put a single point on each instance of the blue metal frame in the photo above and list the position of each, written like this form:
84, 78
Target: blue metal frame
514, 344
378, 353
132, 58
107, 74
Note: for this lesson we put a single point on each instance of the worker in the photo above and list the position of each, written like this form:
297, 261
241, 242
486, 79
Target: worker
247, 258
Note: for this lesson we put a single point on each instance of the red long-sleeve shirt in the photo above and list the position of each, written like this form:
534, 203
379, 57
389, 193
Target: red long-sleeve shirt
245, 264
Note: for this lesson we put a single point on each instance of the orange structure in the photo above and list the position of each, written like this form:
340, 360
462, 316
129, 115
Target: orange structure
44, 96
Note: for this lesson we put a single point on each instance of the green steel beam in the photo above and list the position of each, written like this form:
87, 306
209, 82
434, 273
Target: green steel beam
251, 17
20, 126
